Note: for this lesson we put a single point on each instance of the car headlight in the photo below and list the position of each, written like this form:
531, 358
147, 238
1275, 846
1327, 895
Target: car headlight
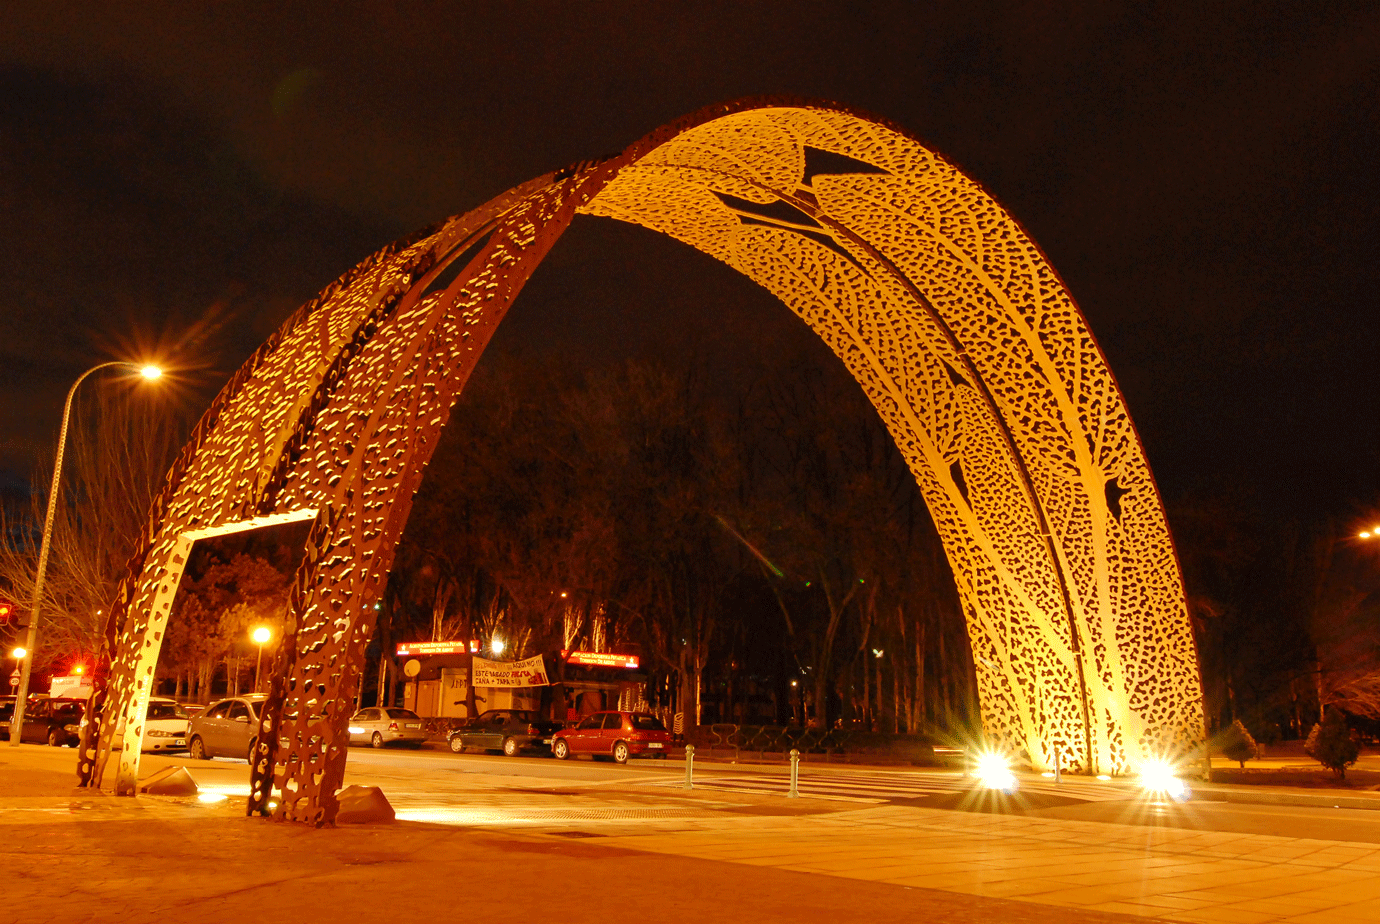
74, 729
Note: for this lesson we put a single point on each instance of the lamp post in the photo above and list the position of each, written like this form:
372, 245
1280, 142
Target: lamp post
31, 638
260, 636
18, 655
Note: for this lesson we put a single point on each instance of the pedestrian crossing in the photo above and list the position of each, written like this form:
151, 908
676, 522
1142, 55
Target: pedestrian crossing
892, 786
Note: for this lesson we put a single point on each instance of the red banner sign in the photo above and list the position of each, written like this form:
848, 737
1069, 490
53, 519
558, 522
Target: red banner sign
601, 659
408, 649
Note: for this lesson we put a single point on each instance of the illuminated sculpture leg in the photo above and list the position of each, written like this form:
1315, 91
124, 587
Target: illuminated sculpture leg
409, 381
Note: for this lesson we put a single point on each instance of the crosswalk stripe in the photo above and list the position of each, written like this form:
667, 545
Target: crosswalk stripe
884, 787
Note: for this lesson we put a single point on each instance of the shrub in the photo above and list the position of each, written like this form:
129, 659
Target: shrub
1237, 744
1332, 744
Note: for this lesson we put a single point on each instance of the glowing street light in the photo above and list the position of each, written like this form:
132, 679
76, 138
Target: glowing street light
31, 639
17, 654
260, 636
496, 646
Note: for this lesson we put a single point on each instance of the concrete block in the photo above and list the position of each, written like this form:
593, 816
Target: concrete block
362, 805
170, 781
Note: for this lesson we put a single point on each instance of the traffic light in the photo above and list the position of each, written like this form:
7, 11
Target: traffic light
6, 612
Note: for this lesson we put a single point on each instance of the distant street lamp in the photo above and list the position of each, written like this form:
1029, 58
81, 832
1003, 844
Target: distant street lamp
17, 654
31, 639
261, 635
496, 646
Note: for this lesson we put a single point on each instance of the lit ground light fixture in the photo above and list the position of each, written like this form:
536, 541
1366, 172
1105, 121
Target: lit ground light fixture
1159, 778
994, 772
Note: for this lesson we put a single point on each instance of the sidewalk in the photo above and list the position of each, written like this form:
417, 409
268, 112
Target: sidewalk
636, 847
71, 857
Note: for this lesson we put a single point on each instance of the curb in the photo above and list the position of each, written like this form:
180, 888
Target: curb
1246, 796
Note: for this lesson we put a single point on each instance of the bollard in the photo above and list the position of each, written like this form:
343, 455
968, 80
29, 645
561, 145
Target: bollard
795, 775
689, 767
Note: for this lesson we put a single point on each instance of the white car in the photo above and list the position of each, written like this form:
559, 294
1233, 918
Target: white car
165, 726
387, 725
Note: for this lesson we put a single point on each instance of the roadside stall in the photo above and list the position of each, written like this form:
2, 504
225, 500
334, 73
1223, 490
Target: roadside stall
594, 681
450, 680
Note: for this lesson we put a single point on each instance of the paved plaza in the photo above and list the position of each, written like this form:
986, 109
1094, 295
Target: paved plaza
582, 850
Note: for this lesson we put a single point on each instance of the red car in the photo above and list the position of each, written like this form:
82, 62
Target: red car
619, 735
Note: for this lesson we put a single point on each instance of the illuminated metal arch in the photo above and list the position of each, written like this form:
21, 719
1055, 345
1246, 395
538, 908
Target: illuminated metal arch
946, 313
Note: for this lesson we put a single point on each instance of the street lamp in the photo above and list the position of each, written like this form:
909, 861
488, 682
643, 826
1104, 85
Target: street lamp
31, 639
17, 654
497, 646
260, 635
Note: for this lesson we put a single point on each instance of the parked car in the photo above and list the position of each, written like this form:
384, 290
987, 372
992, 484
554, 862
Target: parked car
6, 714
619, 735
228, 728
508, 730
387, 725
165, 726
55, 721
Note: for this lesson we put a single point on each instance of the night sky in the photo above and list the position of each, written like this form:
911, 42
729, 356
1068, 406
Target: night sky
176, 178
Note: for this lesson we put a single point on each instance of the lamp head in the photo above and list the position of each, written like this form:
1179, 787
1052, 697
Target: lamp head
151, 372
19, 653
261, 635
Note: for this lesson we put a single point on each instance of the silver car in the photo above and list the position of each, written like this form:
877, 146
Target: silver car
387, 725
228, 728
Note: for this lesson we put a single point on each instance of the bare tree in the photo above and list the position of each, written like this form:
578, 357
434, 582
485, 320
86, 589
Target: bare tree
120, 445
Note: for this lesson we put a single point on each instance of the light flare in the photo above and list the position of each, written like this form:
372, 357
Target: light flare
994, 772
1160, 777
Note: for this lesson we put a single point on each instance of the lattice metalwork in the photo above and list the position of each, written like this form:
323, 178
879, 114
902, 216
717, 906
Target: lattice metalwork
935, 299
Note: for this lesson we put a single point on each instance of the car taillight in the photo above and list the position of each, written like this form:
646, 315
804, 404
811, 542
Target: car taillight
392, 726
533, 730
